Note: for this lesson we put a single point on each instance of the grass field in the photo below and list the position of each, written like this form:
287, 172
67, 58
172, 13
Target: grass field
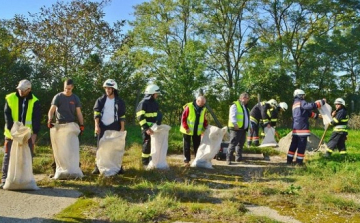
326, 190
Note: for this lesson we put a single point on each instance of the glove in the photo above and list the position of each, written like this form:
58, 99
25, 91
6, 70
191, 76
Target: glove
82, 128
50, 125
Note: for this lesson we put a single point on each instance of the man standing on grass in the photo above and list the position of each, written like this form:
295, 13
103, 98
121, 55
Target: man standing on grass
147, 113
301, 112
109, 113
22, 106
193, 124
67, 109
239, 122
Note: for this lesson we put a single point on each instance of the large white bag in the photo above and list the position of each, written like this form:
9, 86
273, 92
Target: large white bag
20, 174
110, 153
159, 147
269, 140
65, 144
209, 147
325, 111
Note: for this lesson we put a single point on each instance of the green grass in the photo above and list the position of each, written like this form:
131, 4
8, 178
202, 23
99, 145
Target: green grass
326, 189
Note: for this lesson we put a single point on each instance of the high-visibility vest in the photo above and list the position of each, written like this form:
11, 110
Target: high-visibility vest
13, 102
191, 120
239, 116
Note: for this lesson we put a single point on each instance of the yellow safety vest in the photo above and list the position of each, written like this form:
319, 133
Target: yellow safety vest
239, 116
191, 120
13, 102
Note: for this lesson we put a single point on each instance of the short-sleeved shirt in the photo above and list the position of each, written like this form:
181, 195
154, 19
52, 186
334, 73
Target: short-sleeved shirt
66, 107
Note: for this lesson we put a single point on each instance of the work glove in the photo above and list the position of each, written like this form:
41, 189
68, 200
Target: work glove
82, 128
50, 125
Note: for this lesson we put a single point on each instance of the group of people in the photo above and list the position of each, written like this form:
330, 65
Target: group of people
109, 114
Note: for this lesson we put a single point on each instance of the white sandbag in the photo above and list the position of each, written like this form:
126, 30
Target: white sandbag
20, 173
269, 140
65, 145
159, 147
325, 112
209, 147
110, 153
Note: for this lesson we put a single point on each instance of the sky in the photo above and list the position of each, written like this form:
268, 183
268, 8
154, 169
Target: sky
116, 10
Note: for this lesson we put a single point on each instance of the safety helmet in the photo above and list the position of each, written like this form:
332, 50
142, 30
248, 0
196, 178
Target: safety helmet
298, 92
273, 103
283, 106
152, 89
339, 101
110, 83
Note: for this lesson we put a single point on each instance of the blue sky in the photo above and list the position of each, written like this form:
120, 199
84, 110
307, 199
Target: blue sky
116, 10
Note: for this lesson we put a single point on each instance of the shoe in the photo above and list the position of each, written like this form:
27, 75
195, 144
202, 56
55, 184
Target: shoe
290, 163
239, 159
2, 185
51, 176
228, 162
186, 164
327, 155
121, 171
95, 171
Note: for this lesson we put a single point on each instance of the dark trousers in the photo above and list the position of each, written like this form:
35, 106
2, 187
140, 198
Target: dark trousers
7, 148
297, 143
187, 144
113, 126
337, 140
237, 140
254, 135
146, 147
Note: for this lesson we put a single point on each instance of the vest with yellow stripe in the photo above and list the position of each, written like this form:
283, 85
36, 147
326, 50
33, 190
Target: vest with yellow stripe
240, 114
191, 120
13, 102
340, 121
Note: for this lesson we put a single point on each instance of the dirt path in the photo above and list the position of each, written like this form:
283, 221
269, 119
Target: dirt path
34, 206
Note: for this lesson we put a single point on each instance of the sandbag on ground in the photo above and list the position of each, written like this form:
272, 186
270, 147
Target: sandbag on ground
110, 153
209, 147
65, 145
20, 173
159, 147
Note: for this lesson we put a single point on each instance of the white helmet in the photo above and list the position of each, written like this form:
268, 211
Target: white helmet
152, 89
110, 83
283, 106
298, 92
339, 101
273, 103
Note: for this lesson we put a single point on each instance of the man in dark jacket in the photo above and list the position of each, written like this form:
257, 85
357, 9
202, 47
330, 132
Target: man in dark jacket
260, 114
109, 112
339, 134
22, 106
301, 112
147, 113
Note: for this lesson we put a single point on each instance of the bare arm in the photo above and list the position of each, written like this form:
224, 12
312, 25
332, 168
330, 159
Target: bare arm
97, 126
51, 113
79, 116
122, 126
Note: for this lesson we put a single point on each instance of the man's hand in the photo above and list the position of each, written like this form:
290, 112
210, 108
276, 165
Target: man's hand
236, 127
97, 129
50, 125
82, 128
187, 130
149, 132
320, 116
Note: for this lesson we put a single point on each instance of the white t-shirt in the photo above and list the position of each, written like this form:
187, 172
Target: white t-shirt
108, 115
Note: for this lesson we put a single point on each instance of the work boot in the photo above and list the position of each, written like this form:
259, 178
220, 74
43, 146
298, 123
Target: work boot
327, 155
2, 185
239, 158
96, 170
121, 171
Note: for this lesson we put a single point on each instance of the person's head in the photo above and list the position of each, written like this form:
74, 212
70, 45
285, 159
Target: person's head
24, 88
283, 106
153, 90
244, 98
110, 87
200, 101
339, 102
298, 93
68, 86
273, 103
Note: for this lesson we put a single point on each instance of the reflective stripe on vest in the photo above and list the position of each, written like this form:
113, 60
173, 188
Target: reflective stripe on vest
13, 102
191, 120
239, 116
